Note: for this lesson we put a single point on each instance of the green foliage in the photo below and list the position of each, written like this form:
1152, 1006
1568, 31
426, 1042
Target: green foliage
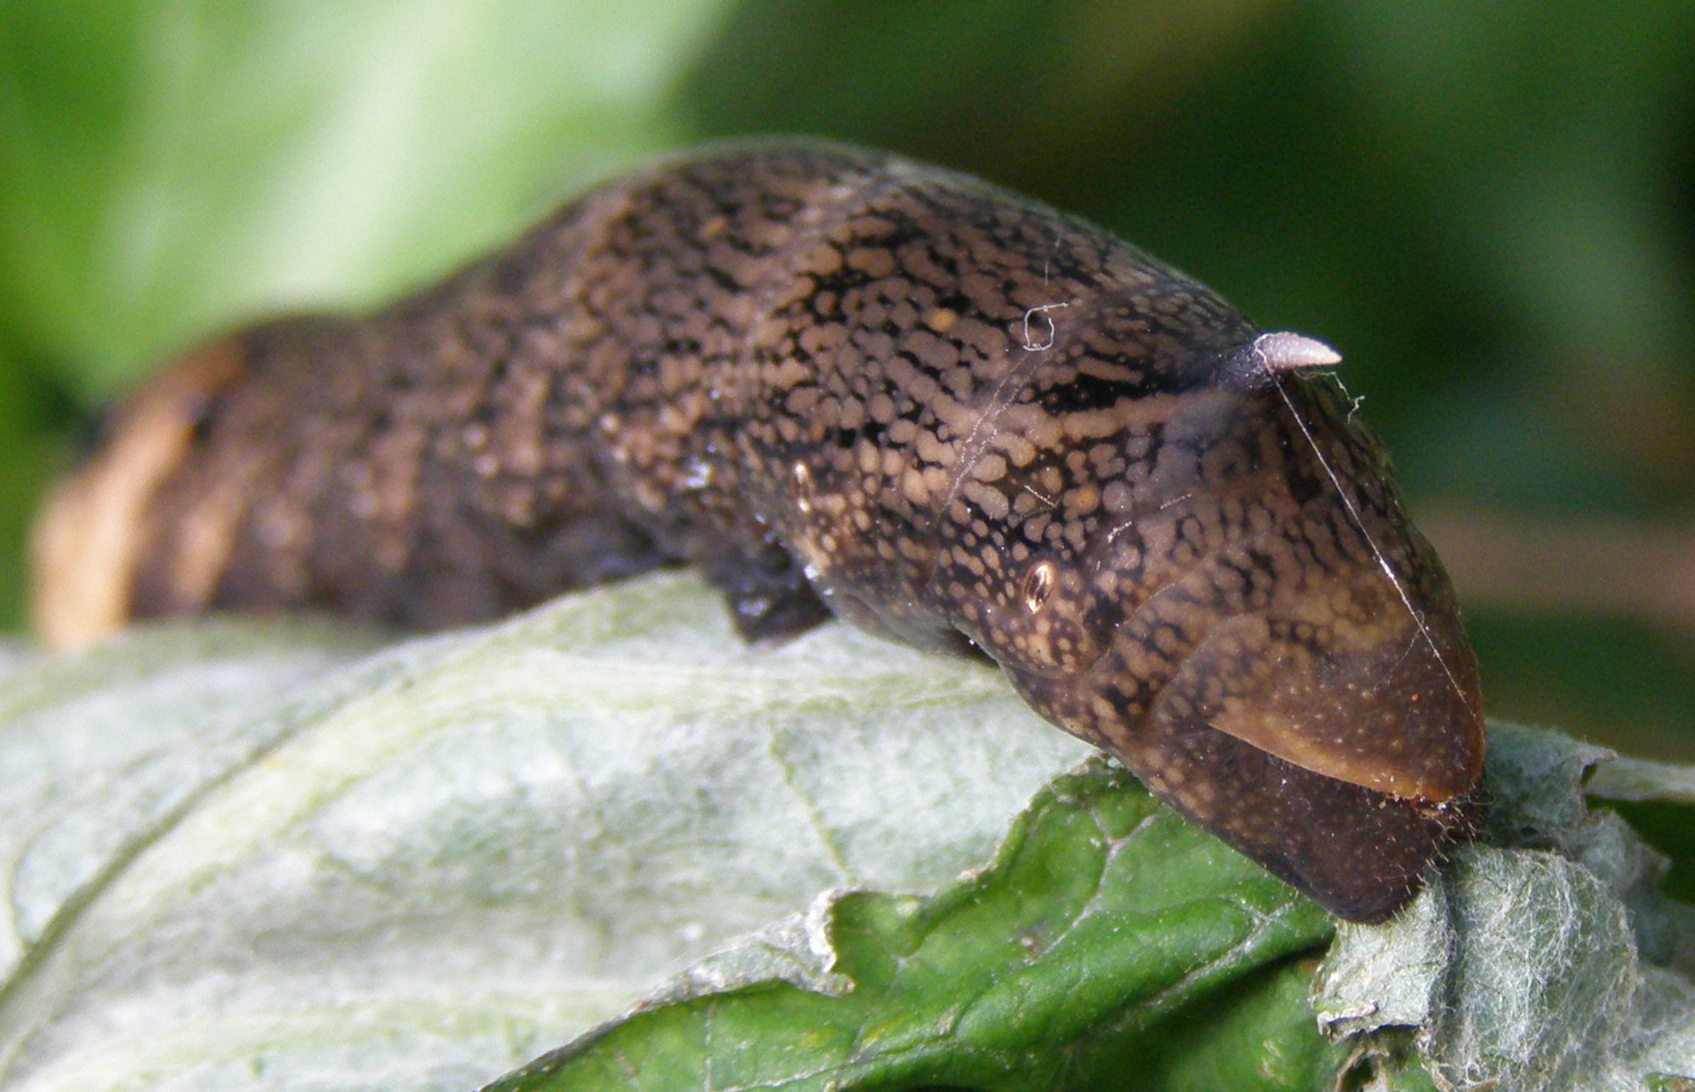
1486, 206
1104, 922
168, 170
608, 837
275, 856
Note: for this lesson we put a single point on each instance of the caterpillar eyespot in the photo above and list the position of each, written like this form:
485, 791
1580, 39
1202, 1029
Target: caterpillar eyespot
843, 382
1039, 585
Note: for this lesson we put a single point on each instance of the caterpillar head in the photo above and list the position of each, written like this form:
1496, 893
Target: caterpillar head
1205, 568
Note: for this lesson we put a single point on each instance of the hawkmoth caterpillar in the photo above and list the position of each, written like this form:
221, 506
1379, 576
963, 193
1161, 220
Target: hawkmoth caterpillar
842, 383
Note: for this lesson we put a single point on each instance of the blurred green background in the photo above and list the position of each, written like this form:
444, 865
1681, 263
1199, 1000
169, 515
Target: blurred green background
1488, 207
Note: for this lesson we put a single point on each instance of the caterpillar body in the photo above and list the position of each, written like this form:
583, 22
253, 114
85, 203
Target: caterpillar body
842, 383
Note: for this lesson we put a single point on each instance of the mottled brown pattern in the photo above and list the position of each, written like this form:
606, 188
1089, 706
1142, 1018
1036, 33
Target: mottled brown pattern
841, 382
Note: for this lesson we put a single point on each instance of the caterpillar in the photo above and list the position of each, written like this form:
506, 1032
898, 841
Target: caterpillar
845, 384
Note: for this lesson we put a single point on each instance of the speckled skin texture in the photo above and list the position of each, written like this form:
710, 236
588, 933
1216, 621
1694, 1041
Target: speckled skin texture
844, 383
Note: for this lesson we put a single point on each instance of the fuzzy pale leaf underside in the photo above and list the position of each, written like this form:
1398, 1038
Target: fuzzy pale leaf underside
275, 856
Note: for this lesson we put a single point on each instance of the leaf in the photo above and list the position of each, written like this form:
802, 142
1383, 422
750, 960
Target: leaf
250, 865
170, 167
289, 856
245, 865
170, 170
1102, 919
1545, 960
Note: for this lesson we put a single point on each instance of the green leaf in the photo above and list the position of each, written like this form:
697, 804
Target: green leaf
170, 167
1546, 958
1103, 918
170, 170
252, 855
290, 856
257, 857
